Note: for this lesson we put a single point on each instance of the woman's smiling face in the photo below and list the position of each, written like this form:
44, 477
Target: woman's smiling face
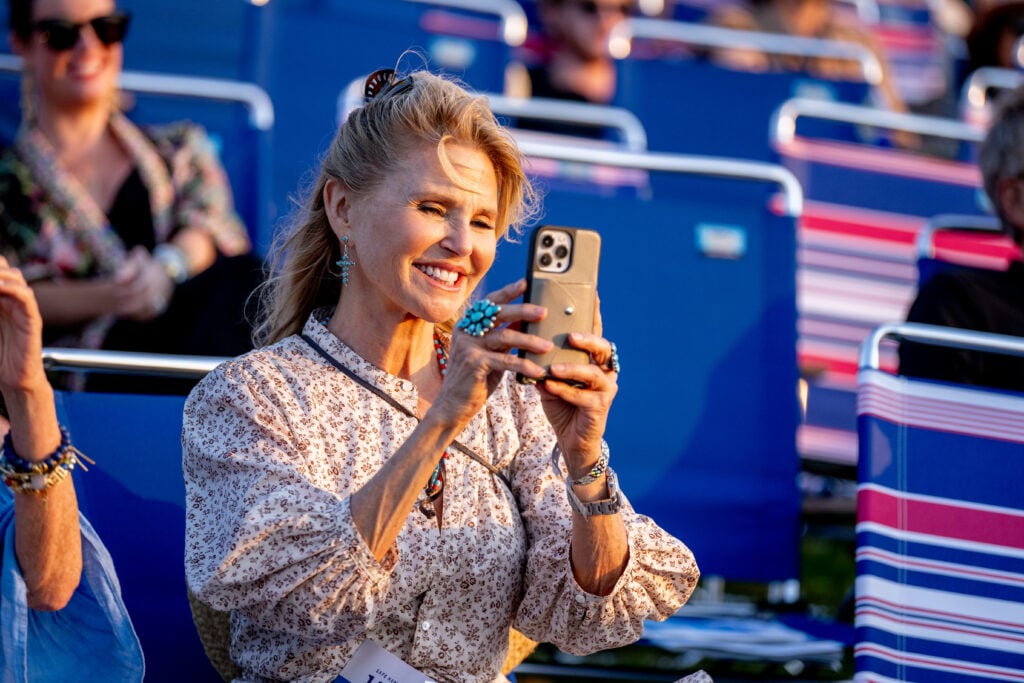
423, 238
85, 74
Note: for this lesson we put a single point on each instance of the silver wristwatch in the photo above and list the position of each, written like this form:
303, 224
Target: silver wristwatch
608, 506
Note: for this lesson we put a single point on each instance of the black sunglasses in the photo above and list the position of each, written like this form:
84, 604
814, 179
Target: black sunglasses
593, 9
381, 82
60, 34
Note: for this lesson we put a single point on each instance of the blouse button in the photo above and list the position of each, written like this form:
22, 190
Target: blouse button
425, 626
580, 599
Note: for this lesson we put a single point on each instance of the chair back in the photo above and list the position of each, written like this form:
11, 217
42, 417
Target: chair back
134, 497
697, 290
691, 105
953, 241
866, 206
940, 520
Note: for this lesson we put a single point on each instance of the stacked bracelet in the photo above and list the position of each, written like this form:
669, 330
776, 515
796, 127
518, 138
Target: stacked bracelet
174, 260
595, 472
23, 476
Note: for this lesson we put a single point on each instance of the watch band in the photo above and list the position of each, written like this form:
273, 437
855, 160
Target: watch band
609, 506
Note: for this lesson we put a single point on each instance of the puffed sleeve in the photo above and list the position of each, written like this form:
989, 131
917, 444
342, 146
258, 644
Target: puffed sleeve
260, 537
203, 198
659, 577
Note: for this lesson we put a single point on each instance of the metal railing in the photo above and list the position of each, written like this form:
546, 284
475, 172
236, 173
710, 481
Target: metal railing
625, 122
792, 192
974, 94
254, 98
622, 36
956, 338
925, 244
783, 124
129, 362
622, 121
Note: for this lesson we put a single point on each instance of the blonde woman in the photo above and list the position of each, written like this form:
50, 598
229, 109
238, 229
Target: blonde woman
374, 484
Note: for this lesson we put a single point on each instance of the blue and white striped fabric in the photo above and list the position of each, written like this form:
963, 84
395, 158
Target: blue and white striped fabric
940, 532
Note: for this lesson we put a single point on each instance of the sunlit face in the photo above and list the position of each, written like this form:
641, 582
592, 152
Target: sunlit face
806, 17
421, 240
584, 25
84, 75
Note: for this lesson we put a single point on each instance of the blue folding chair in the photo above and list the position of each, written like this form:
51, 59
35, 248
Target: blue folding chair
697, 290
940, 520
134, 496
310, 47
857, 268
691, 105
953, 241
981, 92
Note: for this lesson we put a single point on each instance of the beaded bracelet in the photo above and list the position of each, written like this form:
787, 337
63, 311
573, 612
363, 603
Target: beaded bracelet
595, 472
23, 476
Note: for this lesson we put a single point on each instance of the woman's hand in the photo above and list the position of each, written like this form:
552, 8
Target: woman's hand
21, 327
142, 287
579, 414
475, 364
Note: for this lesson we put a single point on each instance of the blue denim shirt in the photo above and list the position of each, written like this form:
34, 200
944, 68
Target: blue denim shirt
91, 639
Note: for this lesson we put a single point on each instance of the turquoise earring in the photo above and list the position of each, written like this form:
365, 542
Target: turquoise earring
346, 262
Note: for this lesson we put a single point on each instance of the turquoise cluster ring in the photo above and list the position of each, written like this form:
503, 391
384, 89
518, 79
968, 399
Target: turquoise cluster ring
480, 318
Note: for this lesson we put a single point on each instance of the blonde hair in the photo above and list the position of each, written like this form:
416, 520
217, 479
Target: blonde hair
366, 148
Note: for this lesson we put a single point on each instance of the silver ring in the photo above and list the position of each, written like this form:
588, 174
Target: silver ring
613, 362
480, 318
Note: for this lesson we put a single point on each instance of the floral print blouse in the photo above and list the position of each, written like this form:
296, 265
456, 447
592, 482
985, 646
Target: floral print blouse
52, 229
275, 442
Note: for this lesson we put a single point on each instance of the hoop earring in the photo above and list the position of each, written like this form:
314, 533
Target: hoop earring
346, 262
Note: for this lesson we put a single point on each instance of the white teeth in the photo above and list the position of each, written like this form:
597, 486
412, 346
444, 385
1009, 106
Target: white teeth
446, 276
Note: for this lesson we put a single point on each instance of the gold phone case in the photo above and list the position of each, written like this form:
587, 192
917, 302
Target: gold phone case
564, 283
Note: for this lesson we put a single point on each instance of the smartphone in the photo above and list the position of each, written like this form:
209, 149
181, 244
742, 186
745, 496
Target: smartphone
561, 275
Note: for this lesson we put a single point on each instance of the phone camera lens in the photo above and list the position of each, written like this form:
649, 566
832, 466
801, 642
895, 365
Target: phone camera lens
547, 241
545, 260
561, 251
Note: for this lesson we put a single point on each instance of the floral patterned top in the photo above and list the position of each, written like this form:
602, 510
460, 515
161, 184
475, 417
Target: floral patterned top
274, 444
52, 229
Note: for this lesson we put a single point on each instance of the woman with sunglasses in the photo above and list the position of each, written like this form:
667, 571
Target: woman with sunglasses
111, 223
374, 488
57, 583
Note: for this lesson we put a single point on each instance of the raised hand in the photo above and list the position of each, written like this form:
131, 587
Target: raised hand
476, 363
21, 326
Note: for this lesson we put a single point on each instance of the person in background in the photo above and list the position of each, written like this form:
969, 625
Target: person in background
572, 61
124, 234
993, 36
63, 618
375, 483
974, 299
806, 19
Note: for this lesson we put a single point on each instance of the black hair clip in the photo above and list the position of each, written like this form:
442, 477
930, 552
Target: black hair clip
382, 81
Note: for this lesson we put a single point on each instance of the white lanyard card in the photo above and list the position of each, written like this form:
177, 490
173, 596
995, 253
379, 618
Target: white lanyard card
373, 664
